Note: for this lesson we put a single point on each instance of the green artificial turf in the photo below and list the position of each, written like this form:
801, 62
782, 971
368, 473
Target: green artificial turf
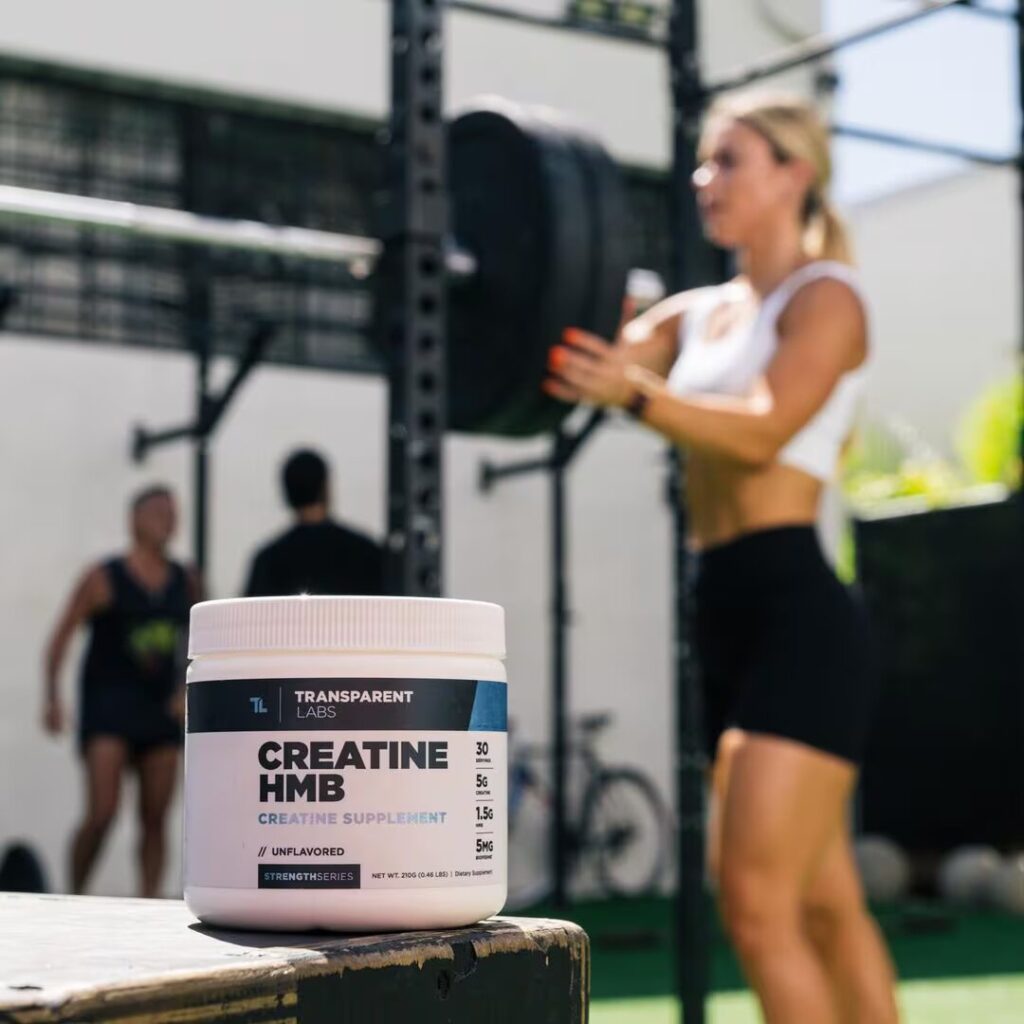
954, 967
971, 1000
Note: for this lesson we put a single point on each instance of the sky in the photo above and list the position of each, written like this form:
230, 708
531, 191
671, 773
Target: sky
950, 77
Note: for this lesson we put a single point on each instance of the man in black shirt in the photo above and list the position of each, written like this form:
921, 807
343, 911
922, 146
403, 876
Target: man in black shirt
317, 555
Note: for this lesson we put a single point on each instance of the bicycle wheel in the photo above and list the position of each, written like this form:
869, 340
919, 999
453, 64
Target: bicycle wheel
626, 832
529, 843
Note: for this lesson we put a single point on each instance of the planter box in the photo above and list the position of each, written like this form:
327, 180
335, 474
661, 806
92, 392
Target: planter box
945, 762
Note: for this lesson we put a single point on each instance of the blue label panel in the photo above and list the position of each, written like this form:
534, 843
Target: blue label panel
490, 708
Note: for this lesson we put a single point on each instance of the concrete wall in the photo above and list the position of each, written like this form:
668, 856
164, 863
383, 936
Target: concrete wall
65, 414
334, 55
941, 264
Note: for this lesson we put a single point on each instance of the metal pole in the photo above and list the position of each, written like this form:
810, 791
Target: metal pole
925, 146
414, 302
490, 474
7, 296
214, 408
559, 667
818, 47
694, 263
565, 447
201, 465
198, 319
143, 440
1020, 186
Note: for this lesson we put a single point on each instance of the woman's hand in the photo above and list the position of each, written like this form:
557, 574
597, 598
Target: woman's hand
53, 716
586, 369
176, 706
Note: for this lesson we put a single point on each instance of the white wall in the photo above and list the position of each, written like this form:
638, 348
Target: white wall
65, 413
333, 53
66, 409
941, 264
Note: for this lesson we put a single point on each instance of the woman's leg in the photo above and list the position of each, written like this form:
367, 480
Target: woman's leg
729, 742
847, 938
104, 758
158, 774
782, 804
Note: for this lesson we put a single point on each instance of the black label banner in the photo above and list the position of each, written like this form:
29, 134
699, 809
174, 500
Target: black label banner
278, 705
308, 876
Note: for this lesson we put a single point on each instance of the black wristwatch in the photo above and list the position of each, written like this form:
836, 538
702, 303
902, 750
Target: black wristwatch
637, 405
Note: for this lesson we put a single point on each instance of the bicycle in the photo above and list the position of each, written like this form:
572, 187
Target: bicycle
618, 825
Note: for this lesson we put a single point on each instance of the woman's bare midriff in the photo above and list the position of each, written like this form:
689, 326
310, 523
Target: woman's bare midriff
726, 499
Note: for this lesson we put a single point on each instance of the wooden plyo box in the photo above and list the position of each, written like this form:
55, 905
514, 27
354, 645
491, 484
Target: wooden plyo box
86, 959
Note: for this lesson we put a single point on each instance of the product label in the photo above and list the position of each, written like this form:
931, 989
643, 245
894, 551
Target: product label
345, 783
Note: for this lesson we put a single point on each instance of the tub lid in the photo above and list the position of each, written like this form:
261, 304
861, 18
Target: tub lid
308, 623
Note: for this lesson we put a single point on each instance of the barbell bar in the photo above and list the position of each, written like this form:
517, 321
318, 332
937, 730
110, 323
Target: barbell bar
540, 242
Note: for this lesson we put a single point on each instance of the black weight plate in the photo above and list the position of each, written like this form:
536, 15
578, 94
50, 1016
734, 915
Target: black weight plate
496, 207
608, 267
611, 251
518, 204
571, 231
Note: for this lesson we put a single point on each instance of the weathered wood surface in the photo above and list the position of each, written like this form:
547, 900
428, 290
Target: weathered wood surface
88, 959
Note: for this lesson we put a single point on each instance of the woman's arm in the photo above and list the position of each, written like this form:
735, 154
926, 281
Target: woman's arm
196, 591
651, 340
91, 594
194, 585
822, 335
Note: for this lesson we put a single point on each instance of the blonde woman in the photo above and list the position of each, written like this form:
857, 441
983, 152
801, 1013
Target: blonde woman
758, 380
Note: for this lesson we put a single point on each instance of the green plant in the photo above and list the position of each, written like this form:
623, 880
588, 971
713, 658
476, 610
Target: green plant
887, 462
988, 436
890, 461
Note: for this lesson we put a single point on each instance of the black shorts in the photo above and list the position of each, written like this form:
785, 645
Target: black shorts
143, 721
783, 646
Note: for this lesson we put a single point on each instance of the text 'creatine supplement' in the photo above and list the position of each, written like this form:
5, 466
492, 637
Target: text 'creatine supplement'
345, 763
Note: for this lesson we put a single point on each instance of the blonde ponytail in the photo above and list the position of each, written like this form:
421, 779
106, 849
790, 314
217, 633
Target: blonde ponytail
826, 236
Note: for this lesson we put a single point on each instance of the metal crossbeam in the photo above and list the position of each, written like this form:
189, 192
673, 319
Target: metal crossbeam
818, 47
926, 146
605, 30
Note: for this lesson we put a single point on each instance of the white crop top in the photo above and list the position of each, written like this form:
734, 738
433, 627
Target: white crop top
732, 363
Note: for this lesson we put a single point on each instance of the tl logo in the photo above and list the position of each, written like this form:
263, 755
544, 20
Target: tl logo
258, 707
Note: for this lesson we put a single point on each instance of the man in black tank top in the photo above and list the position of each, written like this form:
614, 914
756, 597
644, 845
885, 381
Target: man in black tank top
131, 704
317, 555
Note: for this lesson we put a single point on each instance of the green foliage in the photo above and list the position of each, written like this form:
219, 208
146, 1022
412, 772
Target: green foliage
890, 462
884, 465
988, 437
846, 556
